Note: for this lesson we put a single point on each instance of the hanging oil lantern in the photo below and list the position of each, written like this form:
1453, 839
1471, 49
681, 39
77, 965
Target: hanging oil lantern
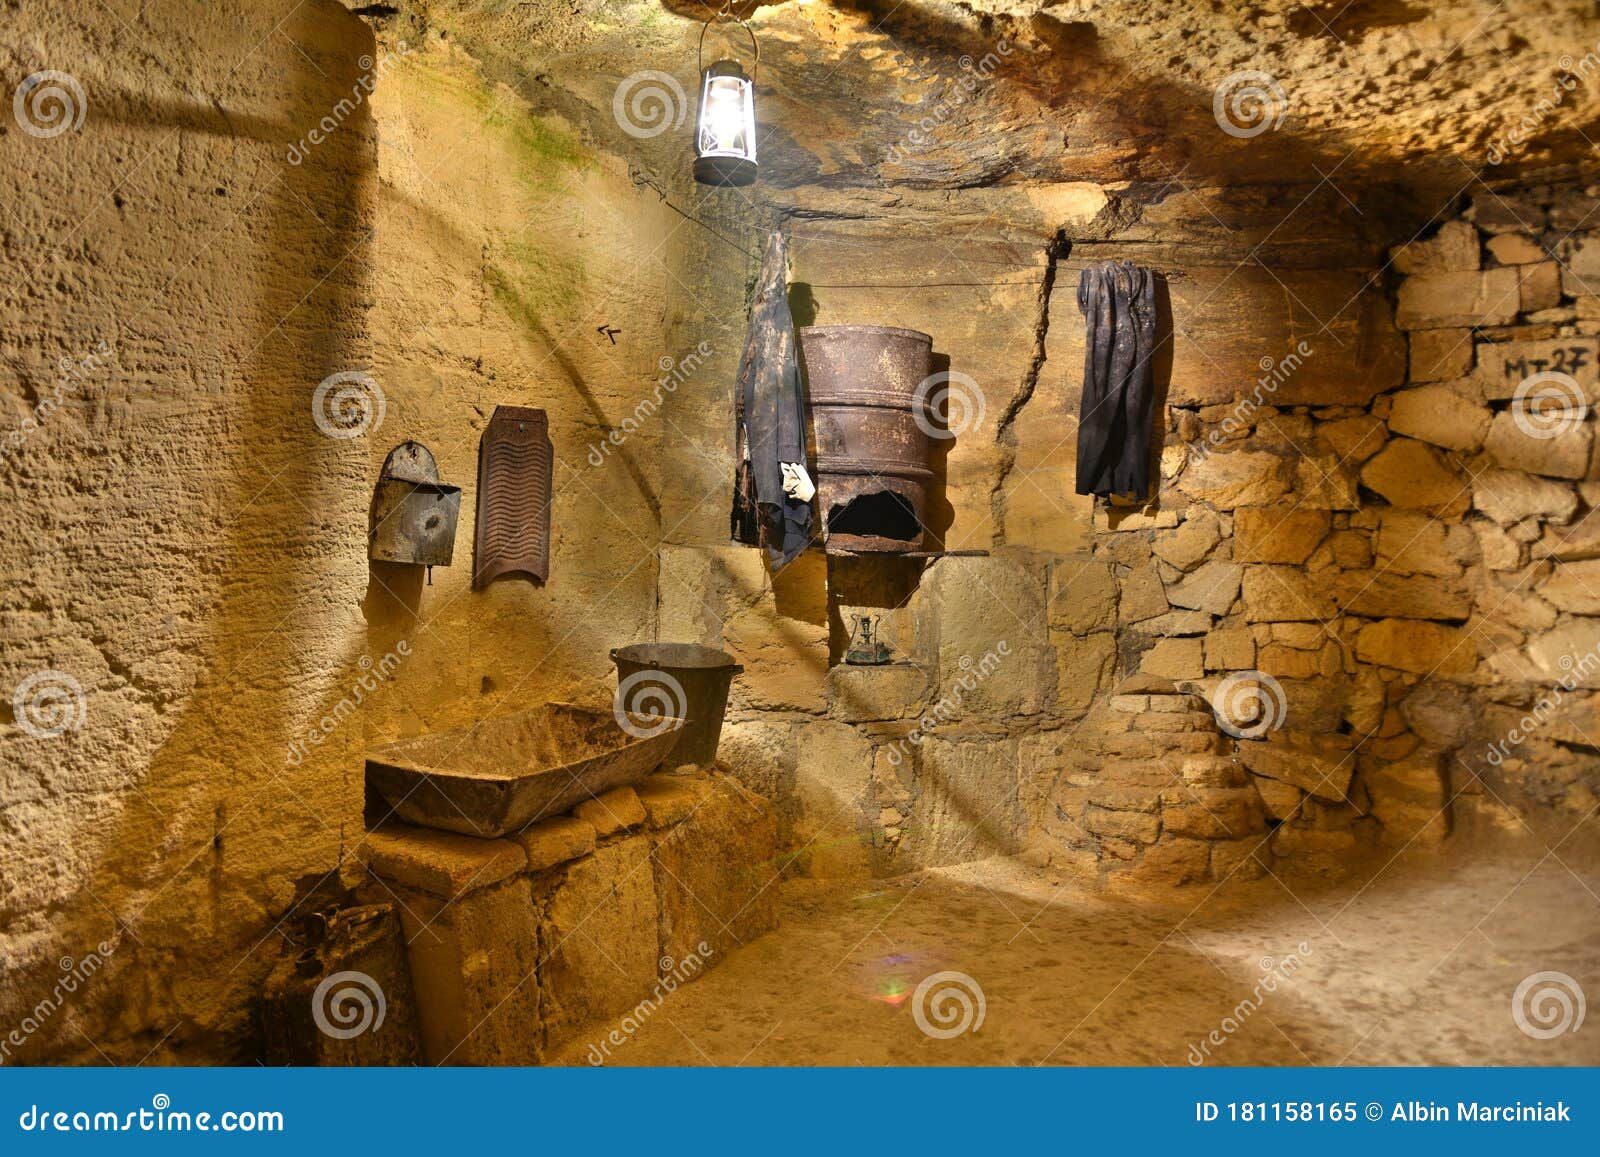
725, 130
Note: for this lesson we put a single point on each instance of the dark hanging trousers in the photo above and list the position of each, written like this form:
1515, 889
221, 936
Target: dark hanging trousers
1118, 300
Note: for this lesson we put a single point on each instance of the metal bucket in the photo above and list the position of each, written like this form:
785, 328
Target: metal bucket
872, 444
695, 689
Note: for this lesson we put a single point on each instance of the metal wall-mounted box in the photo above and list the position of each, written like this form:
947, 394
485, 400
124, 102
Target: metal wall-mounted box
414, 515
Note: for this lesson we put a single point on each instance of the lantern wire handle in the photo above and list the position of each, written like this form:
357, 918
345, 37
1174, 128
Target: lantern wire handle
726, 13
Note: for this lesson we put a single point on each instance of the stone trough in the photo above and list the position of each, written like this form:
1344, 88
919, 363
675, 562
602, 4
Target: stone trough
502, 774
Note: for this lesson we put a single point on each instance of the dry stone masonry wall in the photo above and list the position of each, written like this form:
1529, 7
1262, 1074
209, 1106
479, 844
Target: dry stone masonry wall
1392, 603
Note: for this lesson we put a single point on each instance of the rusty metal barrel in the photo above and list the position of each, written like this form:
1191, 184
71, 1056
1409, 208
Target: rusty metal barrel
872, 440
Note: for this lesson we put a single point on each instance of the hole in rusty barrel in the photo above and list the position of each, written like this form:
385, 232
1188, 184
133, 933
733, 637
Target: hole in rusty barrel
882, 513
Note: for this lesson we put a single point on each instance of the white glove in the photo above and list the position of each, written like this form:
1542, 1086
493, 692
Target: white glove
796, 482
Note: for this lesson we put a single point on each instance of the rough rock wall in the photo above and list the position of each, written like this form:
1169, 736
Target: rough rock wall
1389, 604
516, 264
183, 563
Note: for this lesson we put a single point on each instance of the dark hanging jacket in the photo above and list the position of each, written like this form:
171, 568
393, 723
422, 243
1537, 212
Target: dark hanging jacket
771, 419
1118, 300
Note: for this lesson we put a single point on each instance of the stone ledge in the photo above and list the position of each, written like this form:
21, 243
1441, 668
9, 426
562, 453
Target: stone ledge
441, 863
613, 811
669, 800
555, 841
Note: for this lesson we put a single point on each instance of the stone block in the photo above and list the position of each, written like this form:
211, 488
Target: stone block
1083, 666
473, 962
1409, 799
967, 802
1499, 551
1504, 366
600, 936
1350, 549
1284, 594
1546, 444
1236, 478
1143, 595
1217, 814
1143, 827
671, 799
1325, 777
1172, 863
1083, 595
1454, 247
865, 694
1581, 540
1239, 859
1268, 534
1440, 355
1559, 654
1230, 649
1356, 438
716, 874
1286, 662
1515, 249
1322, 482
1411, 474
761, 754
1440, 415
1110, 518
443, 863
1187, 546
833, 776
1419, 647
993, 635
613, 811
1506, 212
1175, 659
1378, 595
1510, 496
1580, 274
1280, 800
1541, 286
1574, 587
555, 841
1411, 542
1457, 299
1211, 589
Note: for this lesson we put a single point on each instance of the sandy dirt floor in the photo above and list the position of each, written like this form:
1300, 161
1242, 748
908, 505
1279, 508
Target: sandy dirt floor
1415, 961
